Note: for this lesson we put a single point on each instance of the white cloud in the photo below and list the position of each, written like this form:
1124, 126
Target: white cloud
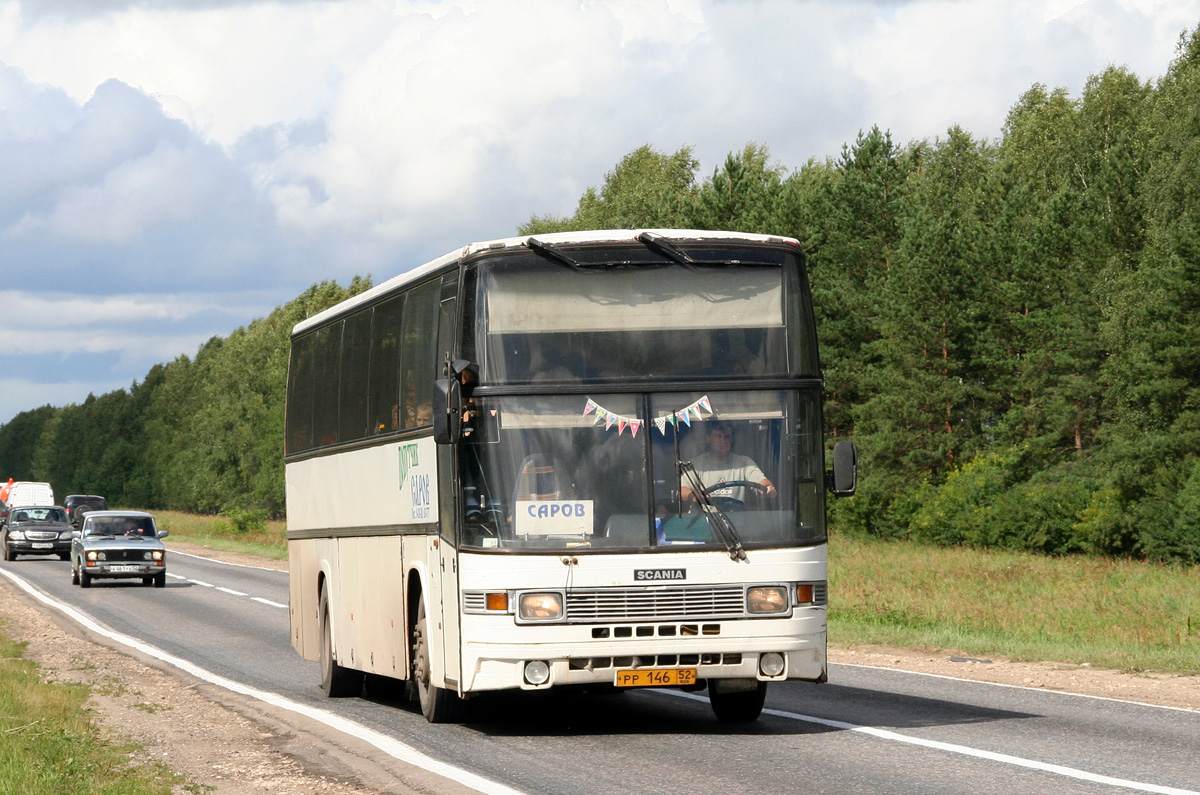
154, 152
23, 394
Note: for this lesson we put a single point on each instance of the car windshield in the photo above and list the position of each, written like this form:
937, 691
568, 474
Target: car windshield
135, 526
22, 515
635, 471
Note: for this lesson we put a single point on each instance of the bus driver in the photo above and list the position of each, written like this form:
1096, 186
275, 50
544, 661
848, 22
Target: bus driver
721, 465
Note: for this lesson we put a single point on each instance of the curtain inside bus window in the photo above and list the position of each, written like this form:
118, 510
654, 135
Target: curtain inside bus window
384, 385
353, 419
418, 359
546, 323
300, 394
327, 385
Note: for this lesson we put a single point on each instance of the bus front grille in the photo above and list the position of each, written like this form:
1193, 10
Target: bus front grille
655, 604
654, 660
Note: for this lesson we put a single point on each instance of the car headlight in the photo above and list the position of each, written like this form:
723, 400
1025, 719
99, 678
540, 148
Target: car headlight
17, 535
65, 535
94, 555
153, 554
540, 607
767, 599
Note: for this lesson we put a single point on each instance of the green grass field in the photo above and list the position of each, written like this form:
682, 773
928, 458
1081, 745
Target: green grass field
1120, 614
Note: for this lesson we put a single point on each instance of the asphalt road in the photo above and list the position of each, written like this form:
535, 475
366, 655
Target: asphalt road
867, 730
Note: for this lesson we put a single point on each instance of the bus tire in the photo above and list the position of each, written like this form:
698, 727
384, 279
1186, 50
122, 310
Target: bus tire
438, 705
336, 681
738, 706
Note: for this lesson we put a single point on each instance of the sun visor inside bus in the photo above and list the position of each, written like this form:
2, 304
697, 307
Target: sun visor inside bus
634, 300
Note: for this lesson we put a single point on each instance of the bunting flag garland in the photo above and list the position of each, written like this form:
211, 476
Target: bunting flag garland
697, 410
610, 419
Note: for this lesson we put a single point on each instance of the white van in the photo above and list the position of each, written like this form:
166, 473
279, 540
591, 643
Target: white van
26, 493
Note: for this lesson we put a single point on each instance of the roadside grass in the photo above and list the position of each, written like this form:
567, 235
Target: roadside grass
49, 744
1120, 614
218, 532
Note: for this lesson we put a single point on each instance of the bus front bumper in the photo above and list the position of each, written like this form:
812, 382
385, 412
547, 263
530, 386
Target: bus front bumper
495, 667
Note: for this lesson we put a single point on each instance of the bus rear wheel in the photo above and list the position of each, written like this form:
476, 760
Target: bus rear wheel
438, 705
737, 706
336, 681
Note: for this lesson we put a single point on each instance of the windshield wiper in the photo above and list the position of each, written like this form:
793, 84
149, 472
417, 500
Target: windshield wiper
666, 248
716, 517
552, 253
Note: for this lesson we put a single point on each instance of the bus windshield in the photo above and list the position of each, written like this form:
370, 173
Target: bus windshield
651, 471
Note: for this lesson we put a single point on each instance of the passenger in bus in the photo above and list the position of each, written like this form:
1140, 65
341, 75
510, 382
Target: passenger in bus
721, 465
424, 414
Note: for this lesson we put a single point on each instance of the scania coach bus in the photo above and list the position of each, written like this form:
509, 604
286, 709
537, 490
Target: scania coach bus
589, 459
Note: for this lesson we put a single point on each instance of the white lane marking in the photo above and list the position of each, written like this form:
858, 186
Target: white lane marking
1016, 687
1008, 759
391, 747
227, 590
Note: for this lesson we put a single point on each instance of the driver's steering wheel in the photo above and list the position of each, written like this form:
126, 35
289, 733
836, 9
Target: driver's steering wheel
729, 503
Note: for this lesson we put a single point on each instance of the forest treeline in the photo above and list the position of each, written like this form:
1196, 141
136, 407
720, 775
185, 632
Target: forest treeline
1008, 328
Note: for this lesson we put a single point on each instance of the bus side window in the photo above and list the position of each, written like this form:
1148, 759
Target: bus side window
300, 394
384, 399
418, 364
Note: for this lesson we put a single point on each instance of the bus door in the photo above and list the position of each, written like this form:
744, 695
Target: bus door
447, 569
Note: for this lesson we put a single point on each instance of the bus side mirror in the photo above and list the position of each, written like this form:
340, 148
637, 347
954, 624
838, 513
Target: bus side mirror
843, 480
447, 411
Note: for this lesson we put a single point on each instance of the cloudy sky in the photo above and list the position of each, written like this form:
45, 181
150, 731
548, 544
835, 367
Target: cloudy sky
173, 169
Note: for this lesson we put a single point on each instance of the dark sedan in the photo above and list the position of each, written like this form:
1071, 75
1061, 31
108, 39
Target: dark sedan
40, 530
118, 544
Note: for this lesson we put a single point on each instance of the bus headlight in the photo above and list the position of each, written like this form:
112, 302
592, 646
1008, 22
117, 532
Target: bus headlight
767, 600
540, 607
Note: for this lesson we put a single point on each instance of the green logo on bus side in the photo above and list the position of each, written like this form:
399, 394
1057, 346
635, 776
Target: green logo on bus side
408, 460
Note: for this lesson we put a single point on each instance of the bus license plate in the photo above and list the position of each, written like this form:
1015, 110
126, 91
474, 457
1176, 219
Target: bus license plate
656, 677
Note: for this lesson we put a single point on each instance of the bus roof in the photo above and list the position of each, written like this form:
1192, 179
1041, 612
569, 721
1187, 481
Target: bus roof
590, 236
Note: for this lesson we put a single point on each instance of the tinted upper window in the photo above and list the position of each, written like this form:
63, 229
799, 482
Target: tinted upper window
617, 317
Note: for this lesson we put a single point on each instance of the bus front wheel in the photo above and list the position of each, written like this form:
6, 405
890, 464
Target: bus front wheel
336, 681
737, 706
438, 705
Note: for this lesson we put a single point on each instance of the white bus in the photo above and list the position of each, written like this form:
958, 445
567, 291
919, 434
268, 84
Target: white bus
500, 473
